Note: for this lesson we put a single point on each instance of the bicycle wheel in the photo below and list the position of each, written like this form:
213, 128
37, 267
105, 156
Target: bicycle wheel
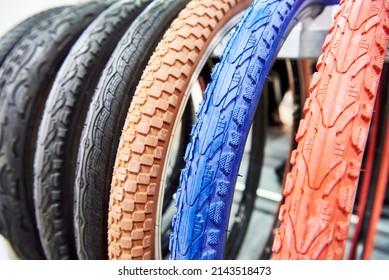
320, 190
158, 104
26, 77
14, 35
62, 123
214, 155
105, 119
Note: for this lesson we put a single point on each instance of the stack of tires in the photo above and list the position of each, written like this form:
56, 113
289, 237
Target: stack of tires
101, 155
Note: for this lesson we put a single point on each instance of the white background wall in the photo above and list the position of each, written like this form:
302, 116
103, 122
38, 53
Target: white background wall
14, 11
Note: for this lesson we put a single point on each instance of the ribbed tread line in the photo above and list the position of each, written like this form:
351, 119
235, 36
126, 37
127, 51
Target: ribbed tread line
149, 124
320, 190
26, 75
60, 129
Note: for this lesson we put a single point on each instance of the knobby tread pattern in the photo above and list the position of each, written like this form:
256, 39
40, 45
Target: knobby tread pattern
13, 36
60, 131
213, 157
107, 111
27, 74
320, 190
149, 124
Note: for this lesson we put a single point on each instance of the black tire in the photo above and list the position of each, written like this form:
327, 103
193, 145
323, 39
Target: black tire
14, 35
61, 126
27, 75
105, 119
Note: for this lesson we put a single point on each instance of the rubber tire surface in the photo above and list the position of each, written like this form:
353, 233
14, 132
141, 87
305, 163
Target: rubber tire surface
13, 36
149, 124
27, 74
106, 115
225, 116
60, 132
320, 190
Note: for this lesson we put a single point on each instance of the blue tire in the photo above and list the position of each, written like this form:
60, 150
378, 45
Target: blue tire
213, 157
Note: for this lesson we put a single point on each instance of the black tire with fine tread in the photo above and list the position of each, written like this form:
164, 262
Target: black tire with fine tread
27, 74
60, 132
14, 35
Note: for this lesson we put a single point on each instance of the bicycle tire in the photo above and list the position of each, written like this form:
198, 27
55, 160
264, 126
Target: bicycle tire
106, 115
27, 74
13, 36
61, 125
214, 154
157, 103
320, 190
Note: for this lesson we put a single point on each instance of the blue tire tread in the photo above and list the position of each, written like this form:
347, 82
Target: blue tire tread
213, 157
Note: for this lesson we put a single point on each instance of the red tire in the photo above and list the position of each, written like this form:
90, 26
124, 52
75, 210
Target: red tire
320, 190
